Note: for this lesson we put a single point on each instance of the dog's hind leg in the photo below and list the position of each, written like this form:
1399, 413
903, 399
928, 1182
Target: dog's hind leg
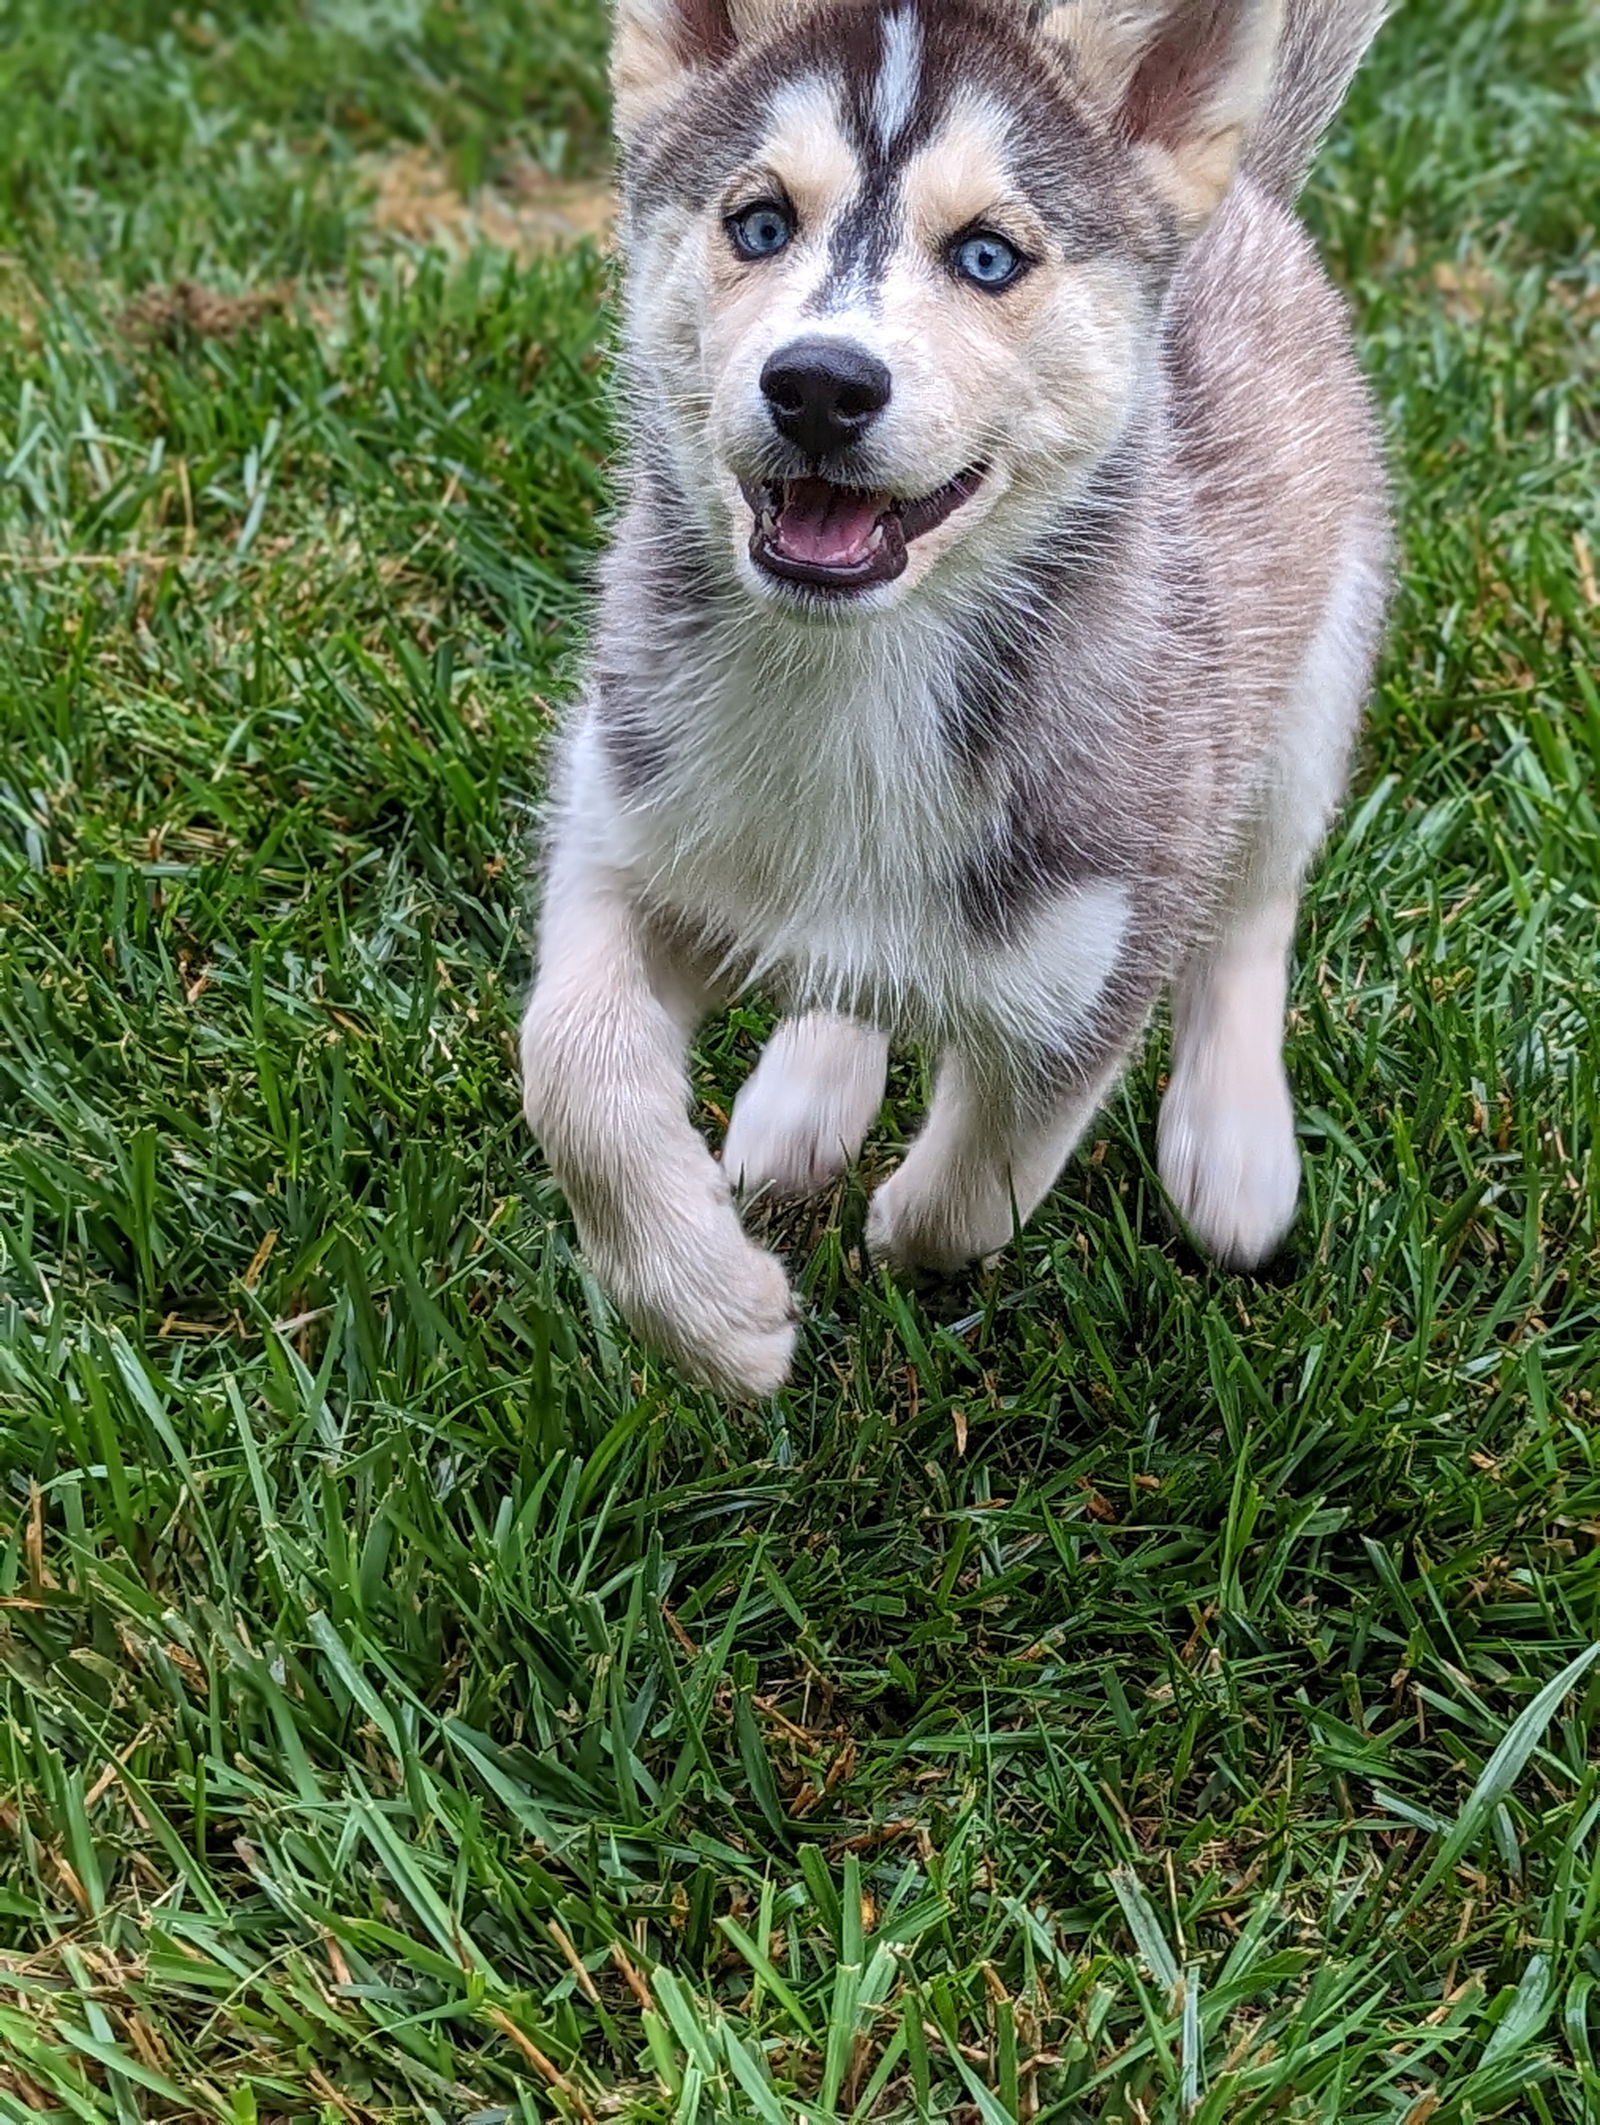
805, 1110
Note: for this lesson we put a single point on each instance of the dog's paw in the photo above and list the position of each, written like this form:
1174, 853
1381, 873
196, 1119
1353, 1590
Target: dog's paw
805, 1110
921, 1230
739, 1339
1229, 1164
708, 1299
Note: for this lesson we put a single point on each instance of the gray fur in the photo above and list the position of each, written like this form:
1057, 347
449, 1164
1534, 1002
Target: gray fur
1083, 752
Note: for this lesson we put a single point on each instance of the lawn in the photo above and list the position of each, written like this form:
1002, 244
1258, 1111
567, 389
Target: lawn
1116, 1691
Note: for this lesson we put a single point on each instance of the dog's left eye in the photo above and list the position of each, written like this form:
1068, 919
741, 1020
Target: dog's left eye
987, 260
760, 230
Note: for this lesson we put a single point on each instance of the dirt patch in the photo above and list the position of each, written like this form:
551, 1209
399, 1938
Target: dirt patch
1471, 291
524, 212
186, 310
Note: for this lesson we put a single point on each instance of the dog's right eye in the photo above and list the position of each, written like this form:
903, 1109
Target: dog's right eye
760, 230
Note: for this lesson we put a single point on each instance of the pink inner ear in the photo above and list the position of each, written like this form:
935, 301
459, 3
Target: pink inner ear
702, 31
1191, 53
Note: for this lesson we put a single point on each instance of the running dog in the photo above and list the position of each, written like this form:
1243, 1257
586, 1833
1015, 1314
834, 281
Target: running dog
1003, 558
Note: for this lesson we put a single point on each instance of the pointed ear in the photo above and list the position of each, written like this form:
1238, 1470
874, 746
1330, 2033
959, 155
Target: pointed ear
1182, 80
657, 43
654, 44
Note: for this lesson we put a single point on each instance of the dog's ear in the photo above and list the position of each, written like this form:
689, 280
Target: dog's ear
1183, 81
655, 43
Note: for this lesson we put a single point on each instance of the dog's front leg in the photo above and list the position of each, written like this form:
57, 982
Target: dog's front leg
803, 1114
604, 1042
987, 1155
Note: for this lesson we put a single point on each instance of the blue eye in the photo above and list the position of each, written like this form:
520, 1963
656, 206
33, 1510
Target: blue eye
988, 261
760, 230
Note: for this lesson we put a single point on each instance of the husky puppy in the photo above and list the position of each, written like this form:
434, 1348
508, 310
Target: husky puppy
980, 648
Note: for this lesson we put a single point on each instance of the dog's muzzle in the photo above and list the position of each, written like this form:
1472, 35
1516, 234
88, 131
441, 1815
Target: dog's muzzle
842, 539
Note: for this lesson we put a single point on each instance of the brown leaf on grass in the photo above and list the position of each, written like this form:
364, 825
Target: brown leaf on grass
540, 2062
633, 1977
69, 1878
1096, 1503
33, 1541
1586, 581
258, 1261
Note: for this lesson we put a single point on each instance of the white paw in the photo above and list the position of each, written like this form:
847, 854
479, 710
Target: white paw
935, 1226
697, 1289
737, 1339
1229, 1163
805, 1110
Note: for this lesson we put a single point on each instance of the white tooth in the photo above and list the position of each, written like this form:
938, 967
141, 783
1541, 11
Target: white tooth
876, 539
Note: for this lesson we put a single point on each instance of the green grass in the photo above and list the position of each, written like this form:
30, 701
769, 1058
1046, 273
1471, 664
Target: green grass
1124, 1692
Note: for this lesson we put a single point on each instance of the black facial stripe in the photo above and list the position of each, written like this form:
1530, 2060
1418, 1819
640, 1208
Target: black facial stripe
864, 236
697, 146
860, 246
1075, 179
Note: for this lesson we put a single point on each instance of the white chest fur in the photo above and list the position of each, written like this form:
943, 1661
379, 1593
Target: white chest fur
811, 813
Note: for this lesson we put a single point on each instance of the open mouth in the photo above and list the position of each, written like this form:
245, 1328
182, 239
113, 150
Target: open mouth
843, 538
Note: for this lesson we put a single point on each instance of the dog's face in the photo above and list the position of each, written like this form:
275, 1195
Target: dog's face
895, 270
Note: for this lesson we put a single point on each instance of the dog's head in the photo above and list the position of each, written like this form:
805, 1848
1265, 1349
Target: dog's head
895, 266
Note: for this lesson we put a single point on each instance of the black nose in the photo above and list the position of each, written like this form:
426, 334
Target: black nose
824, 393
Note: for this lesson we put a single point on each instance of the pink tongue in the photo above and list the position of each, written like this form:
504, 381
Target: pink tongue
827, 525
